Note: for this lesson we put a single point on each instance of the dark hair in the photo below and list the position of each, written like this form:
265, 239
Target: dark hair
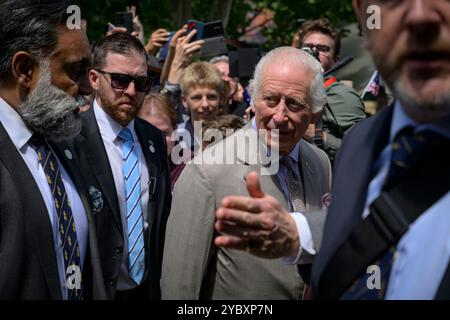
324, 26
121, 43
31, 26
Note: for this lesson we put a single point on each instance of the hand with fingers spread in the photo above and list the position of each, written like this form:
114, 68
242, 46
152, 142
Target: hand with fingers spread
257, 224
184, 52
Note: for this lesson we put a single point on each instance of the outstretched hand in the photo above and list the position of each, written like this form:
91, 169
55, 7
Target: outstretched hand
258, 224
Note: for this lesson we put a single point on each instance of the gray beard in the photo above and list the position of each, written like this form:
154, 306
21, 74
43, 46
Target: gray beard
49, 111
440, 105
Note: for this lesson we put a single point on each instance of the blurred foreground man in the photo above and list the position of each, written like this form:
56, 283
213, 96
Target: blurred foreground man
288, 96
47, 233
386, 235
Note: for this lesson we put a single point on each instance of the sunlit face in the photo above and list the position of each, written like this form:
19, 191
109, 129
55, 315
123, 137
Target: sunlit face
325, 45
202, 102
121, 105
284, 103
412, 52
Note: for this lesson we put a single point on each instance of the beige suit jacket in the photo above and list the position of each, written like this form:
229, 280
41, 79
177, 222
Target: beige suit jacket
193, 267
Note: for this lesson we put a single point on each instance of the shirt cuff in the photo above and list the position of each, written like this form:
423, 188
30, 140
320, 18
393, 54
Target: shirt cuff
306, 251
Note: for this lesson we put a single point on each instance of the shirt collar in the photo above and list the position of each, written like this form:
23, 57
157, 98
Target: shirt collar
18, 132
109, 128
400, 120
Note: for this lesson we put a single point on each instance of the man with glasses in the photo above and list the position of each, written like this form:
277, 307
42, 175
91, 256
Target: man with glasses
344, 107
124, 162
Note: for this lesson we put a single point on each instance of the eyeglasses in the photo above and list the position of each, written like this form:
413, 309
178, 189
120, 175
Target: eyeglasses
317, 47
121, 81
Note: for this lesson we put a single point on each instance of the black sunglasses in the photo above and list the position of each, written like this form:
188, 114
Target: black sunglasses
121, 81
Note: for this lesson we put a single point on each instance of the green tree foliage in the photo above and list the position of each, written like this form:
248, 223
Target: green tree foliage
170, 14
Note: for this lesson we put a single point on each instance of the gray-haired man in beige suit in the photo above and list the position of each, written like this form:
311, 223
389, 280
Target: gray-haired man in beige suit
287, 95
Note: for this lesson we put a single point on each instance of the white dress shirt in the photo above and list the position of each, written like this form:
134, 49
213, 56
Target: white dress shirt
109, 130
20, 136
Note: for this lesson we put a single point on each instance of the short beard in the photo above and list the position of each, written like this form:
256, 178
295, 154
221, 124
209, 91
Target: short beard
49, 111
433, 108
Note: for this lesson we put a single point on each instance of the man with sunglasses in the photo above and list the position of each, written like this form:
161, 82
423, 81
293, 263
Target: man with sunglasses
124, 162
344, 107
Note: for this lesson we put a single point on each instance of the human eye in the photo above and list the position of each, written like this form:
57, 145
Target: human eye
271, 100
295, 104
212, 97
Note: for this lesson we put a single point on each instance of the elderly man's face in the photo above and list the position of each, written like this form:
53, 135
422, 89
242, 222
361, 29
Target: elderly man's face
284, 103
412, 52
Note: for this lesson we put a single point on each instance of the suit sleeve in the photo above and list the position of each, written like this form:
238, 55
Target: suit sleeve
189, 236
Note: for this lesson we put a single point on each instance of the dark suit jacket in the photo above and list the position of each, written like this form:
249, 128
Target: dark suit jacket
353, 173
28, 268
97, 172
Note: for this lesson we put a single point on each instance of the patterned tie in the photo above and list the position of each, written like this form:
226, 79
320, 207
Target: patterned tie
408, 149
135, 223
294, 186
66, 223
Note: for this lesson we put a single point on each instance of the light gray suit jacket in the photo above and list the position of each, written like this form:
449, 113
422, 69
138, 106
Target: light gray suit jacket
193, 267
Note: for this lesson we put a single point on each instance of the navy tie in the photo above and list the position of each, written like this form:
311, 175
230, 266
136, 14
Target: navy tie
66, 223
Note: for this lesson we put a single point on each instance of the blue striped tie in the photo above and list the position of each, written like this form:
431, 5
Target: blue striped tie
135, 223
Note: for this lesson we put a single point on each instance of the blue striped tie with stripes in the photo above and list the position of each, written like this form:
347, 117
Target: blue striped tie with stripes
135, 223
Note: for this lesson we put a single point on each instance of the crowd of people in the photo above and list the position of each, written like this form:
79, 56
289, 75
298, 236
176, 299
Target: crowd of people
125, 176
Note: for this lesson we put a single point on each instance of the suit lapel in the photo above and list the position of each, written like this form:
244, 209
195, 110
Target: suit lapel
92, 142
38, 221
309, 177
152, 161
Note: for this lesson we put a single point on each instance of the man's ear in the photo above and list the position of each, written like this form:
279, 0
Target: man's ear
359, 9
25, 70
94, 79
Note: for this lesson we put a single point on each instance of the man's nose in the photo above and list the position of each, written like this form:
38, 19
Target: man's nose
205, 102
423, 19
131, 89
281, 111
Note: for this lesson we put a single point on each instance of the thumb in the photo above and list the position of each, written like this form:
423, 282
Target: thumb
253, 185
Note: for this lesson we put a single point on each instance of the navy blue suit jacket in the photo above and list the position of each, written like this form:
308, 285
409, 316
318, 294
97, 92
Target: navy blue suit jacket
352, 174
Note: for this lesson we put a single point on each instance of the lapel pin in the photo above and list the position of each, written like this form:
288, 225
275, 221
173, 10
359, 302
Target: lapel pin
151, 147
97, 199
68, 154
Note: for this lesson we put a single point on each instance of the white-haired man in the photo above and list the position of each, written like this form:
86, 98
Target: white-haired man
287, 96
386, 234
